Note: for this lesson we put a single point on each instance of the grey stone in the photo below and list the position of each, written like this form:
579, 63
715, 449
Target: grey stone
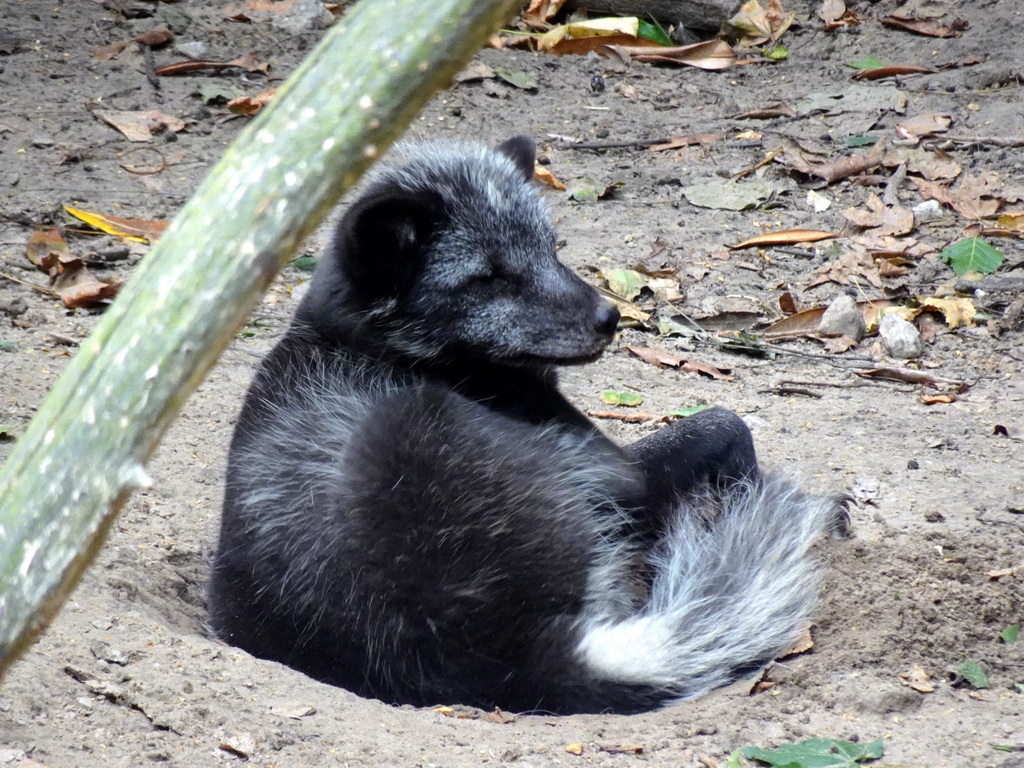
901, 338
843, 318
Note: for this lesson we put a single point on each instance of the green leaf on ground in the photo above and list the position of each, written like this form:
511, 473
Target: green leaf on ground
655, 32
523, 80
817, 753
1011, 634
973, 674
627, 283
868, 62
690, 410
972, 255
628, 399
867, 140
306, 263
778, 53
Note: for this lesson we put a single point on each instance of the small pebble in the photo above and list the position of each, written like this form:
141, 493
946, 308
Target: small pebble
901, 338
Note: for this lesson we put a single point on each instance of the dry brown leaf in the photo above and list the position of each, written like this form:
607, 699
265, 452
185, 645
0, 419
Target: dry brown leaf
931, 191
977, 196
806, 321
588, 34
710, 54
140, 230
545, 176
883, 219
86, 291
499, 717
142, 125
108, 52
881, 73
905, 376
45, 244
956, 312
840, 344
656, 357
839, 169
768, 113
543, 10
926, 27
803, 644
855, 262
917, 679
622, 749
153, 39
250, 105
756, 25
667, 360
1002, 573
685, 141
69, 277
249, 62
938, 399
784, 237
923, 125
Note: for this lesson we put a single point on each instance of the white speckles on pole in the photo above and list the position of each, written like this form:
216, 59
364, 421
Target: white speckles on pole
152, 372
89, 414
370, 152
265, 137
48, 437
291, 179
273, 162
247, 248
307, 113
365, 103
328, 144
30, 549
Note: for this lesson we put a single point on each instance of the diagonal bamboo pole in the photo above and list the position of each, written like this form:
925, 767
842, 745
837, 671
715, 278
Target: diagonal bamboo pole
84, 453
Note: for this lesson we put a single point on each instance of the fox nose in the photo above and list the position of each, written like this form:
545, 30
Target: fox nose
606, 319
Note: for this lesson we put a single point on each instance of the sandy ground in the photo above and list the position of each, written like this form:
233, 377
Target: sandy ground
127, 676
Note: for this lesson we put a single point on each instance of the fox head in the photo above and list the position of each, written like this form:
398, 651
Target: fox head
453, 253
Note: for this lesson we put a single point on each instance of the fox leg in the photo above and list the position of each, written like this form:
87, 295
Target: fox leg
706, 452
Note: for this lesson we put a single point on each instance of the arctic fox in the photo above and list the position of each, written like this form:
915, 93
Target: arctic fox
414, 511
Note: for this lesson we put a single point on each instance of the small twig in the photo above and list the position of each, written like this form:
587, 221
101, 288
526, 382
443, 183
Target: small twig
767, 159
635, 144
995, 141
836, 384
36, 286
633, 417
151, 76
784, 390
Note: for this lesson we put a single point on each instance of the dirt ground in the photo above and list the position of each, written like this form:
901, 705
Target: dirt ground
127, 676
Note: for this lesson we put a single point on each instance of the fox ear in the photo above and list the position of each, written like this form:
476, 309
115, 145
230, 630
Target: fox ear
382, 237
522, 151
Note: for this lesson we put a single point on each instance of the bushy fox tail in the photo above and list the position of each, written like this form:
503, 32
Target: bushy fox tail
728, 595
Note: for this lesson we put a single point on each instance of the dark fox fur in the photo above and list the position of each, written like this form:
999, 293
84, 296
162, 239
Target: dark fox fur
415, 513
